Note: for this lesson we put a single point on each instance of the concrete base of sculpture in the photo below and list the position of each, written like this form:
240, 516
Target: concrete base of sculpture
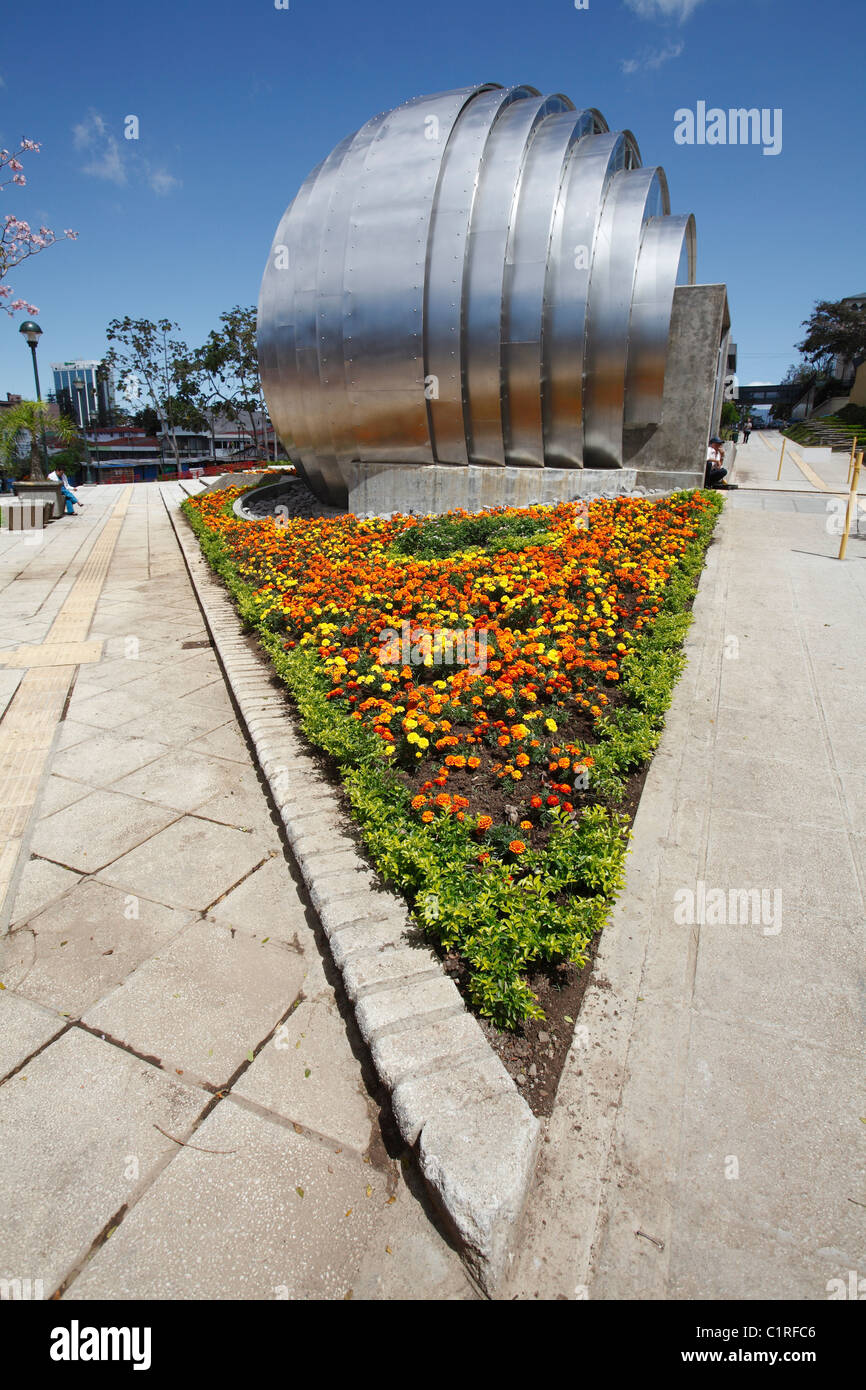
693, 391
383, 489
657, 458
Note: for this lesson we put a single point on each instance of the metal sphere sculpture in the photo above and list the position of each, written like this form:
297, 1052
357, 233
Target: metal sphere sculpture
483, 277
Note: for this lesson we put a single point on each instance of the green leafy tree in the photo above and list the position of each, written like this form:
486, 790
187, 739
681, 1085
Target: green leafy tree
834, 329
149, 365
31, 419
147, 420
225, 371
730, 417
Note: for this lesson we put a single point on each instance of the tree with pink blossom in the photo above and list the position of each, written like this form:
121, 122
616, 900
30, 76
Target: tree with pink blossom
18, 240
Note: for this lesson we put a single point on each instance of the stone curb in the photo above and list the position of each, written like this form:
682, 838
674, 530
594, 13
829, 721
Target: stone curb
477, 1139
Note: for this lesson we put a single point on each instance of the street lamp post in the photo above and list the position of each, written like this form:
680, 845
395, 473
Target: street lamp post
32, 332
80, 386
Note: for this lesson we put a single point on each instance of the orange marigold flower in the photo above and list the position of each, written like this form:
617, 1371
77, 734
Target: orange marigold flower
443, 800
517, 846
483, 822
535, 801
473, 763
418, 802
426, 817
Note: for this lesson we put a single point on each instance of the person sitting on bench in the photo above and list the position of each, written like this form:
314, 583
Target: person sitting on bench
69, 496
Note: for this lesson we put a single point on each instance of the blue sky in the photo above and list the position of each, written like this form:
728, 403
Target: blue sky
237, 100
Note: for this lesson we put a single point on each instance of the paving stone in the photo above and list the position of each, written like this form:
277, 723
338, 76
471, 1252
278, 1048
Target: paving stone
181, 779
806, 1121
417, 1050
225, 742
267, 903
309, 1075
41, 882
204, 1002
71, 733
110, 710
177, 681
86, 944
417, 1264
244, 805
97, 829
180, 726
247, 1232
74, 1123
24, 1027
215, 699
751, 852
59, 792
190, 864
106, 757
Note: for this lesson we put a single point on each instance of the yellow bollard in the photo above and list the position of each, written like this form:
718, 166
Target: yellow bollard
782, 456
851, 459
852, 503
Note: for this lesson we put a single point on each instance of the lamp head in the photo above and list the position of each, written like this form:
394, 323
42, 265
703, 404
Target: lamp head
32, 332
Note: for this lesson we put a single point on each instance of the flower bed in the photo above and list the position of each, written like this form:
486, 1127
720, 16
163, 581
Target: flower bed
486, 686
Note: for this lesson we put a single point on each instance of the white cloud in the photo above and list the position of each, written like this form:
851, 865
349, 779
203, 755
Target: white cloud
663, 9
162, 182
652, 58
93, 135
116, 160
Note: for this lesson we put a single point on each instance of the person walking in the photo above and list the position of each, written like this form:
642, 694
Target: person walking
747, 428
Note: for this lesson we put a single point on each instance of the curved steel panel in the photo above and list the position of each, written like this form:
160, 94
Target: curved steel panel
392, 209
666, 244
479, 276
590, 168
498, 190
526, 261
632, 196
446, 265
311, 284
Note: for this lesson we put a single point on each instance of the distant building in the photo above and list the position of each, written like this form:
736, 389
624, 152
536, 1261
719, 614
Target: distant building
79, 392
128, 451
